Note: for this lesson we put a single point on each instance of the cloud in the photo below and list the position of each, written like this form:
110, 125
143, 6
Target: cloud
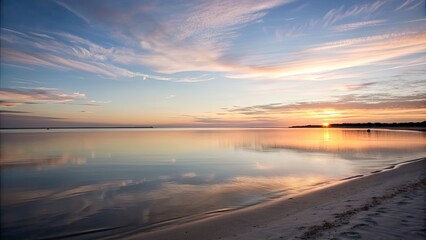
171, 96
17, 66
9, 103
340, 55
344, 102
15, 97
409, 5
344, 108
357, 86
12, 112
356, 25
333, 17
391, 100
291, 31
262, 166
201, 78
95, 103
61, 51
224, 119
64, 51
179, 36
21, 120
338, 14
189, 175
189, 37
16, 56
361, 40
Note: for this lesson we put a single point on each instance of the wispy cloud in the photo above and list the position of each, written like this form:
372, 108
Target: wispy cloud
17, 66
259, 121
183, 37
187, 37
13, 112
409, 5
346, 54
60, 51
201, 78
356, 25
333, 17
360, 40
85, 111
292, 31
189, 175
9, 103
365, 101
64, 51
171, 96
350, 106
338, 14
356, 86
15, 97
95, 103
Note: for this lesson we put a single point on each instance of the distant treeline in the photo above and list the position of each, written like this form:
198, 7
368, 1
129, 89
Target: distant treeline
370, 125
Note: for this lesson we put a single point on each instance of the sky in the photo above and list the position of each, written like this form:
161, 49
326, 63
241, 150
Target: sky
211, 63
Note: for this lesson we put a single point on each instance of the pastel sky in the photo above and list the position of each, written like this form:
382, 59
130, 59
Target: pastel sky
211, 62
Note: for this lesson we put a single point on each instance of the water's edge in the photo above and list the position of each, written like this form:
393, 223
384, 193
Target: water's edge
164, 225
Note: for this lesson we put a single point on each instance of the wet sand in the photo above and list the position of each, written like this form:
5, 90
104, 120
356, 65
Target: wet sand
384, 205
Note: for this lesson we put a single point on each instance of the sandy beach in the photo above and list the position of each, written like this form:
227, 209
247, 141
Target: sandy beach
384, 205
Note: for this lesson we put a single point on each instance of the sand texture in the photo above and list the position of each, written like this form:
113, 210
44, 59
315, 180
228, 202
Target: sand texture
401, 217
385, 205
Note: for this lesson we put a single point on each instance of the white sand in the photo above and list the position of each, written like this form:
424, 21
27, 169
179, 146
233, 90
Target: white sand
386, 205
400, 217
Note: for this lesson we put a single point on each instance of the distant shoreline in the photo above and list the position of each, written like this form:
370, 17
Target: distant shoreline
48, 128
415, 126
421, 129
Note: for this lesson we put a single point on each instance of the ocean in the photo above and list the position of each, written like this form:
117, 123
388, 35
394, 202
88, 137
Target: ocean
97, 183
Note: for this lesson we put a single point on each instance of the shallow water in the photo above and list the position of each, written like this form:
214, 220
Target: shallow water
96, 183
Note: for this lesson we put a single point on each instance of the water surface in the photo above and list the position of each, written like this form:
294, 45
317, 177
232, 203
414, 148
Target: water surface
96, 183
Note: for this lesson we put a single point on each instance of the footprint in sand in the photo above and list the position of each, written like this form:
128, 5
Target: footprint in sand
382, 210
408, 197
361, 226
373, 214
369, 220
404, 222
421, 233
351, 235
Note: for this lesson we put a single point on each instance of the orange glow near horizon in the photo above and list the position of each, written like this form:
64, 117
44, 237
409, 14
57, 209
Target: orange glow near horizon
325, 124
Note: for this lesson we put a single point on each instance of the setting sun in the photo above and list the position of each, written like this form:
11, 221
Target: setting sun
326, 124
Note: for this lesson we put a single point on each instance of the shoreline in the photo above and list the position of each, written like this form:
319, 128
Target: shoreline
419, 129
303, 216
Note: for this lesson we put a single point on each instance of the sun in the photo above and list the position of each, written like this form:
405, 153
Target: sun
325, 124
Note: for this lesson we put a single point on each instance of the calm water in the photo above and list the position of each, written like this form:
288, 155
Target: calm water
95, 183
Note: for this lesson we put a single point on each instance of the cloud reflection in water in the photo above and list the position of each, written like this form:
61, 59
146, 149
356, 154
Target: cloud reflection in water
142, 179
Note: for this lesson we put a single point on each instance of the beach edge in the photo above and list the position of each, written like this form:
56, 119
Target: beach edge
293, 217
